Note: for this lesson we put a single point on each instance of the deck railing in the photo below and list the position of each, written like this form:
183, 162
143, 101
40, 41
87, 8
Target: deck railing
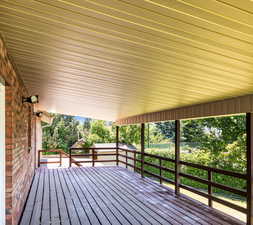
209, 182
124, 155
94, 155
57, 151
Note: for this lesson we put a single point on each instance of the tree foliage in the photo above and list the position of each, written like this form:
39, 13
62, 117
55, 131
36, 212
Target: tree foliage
130, 134
211, 134
62, 133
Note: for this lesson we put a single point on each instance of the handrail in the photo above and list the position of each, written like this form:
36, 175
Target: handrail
57, 151
207, 181
94, 155
161, 168
51, 150
215, 170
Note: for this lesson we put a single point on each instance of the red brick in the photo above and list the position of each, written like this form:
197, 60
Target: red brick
19, 171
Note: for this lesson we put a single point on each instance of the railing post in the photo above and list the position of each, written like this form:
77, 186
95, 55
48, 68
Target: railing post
70, 157
160, 170
60, 158
210, 192
249, 129
39, 158
134, 161
117, 145
126, 159
93, 157
177, 157
142, 148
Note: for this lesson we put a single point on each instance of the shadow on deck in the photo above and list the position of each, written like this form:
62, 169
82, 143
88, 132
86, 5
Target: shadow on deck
110, 195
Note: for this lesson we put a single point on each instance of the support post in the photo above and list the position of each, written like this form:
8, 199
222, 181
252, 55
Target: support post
142, 148
160, 170
70, 157
117, 145
93, 157
177, 157
210, 191
126, 160
39, 158
249, 129
60, 158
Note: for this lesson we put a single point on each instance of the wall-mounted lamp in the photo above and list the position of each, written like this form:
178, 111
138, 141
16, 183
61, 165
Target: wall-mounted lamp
32, 99
38, 114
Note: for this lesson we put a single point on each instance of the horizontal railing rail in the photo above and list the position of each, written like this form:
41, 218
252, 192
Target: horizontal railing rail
57, 151
209, 182
94, 154
61, 154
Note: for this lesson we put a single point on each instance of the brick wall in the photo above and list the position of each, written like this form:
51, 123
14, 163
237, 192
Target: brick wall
19, 160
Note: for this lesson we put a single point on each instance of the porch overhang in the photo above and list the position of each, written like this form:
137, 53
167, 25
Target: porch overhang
117, 59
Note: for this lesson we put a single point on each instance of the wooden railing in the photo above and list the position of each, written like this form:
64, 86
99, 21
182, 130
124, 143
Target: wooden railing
209, 182
94, 155
127, 154
57, 151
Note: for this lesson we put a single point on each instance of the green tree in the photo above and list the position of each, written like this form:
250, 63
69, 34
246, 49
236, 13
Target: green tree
99, 132
130, 134
211, 134
167, 128
62, 133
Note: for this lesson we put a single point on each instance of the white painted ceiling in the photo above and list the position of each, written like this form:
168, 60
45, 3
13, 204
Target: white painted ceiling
111, 59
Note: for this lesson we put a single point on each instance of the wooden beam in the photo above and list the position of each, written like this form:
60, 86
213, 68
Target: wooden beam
117, 145
249, 128
142, 148
177, 157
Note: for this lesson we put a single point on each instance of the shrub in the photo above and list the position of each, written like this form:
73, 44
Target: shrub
232, 161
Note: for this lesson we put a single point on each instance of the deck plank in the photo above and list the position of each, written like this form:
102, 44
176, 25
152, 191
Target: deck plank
82, 214
151, 196
85, 202
199, 210
98, 209
64, 215
110, 196
101, 203
26, 218
36, 215
73, 216
144, 215
152, 205
54, 205
45, 213
120, 212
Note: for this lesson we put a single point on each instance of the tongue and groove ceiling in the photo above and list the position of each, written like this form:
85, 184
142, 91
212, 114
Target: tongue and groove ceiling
111, 59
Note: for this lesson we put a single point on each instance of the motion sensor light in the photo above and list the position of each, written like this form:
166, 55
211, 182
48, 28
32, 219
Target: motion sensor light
32, 99
38, 114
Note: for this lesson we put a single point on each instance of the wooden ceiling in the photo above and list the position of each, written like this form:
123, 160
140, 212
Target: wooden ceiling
112, 59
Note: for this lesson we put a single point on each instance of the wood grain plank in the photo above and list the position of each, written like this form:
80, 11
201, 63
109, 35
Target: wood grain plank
54, 205
27, 214
82, 214
73, 216
38, 200
110, 196
64, 216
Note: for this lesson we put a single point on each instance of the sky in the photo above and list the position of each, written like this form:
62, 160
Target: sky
80, 119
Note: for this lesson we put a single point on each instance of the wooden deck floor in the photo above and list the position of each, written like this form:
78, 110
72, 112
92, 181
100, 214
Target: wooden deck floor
109, 195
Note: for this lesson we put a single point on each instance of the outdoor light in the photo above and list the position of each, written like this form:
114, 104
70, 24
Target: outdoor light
32, 99
38, 114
